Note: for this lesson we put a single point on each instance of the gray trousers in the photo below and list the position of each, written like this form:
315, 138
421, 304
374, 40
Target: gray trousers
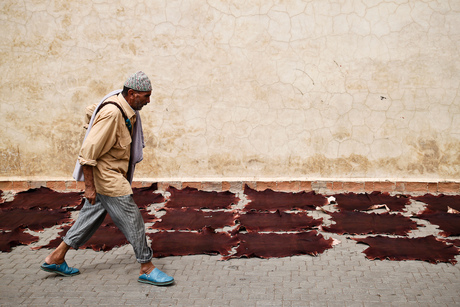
124, 213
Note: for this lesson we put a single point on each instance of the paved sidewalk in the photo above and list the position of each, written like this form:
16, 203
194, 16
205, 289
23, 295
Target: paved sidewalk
341, 276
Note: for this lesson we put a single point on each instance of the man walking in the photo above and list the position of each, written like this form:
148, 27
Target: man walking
112, 146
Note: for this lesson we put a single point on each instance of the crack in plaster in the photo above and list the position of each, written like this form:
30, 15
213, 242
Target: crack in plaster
262, 88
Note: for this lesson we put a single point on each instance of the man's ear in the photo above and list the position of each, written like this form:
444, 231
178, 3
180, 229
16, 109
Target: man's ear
130, 95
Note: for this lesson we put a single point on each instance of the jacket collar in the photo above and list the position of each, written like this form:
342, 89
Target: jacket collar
125, 105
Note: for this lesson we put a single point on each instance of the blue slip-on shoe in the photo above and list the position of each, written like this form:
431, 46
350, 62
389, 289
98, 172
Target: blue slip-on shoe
61, 269
157, 278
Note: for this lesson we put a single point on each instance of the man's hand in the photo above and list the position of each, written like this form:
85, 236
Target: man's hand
90, 190
90, 195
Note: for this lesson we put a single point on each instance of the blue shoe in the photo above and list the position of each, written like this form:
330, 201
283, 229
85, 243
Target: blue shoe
157, 278
61, 269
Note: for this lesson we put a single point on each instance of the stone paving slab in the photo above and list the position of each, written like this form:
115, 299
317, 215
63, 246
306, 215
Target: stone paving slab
341, 276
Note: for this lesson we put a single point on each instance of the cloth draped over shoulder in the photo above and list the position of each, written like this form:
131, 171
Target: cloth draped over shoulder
137, 144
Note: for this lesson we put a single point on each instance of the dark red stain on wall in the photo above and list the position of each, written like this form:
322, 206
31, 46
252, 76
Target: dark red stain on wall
270, 200
358, 223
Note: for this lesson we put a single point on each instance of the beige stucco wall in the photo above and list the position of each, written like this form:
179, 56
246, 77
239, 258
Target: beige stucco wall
243, 89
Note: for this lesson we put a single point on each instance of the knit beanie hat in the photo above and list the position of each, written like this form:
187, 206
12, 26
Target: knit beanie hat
139, 82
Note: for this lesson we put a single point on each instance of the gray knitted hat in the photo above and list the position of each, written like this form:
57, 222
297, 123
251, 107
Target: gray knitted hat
139, 82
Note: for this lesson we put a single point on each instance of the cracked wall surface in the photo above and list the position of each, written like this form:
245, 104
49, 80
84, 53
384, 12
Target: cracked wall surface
254, 89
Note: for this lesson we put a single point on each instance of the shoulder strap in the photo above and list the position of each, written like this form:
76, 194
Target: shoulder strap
127, 121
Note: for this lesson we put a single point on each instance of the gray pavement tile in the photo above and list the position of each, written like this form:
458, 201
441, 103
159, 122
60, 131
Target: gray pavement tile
409, 304
222, 302
260, 296
197, 295
235, 296
42, 301
112, 302
295, 303
234, 303
201, 302
268, 303
166, 302
444, 299
426, 299
319, 304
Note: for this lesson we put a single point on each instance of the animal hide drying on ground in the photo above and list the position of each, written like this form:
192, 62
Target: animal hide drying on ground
10, 239
363, 202
55, 242
35, 220
44, 198
424, 248
270, 200
178, 243
357, 223
440, 202
106, 237
455, 242
272, 245
449, 223
278, 221
191, 219
193, 198
42, 208
143, 197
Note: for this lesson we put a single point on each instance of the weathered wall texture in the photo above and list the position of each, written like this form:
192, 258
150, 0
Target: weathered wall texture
245, 89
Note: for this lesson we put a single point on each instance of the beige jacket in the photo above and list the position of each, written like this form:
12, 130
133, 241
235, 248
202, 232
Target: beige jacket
107, 147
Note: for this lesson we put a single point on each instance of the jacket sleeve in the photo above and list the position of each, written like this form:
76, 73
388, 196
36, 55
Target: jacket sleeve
88, 114
101, 137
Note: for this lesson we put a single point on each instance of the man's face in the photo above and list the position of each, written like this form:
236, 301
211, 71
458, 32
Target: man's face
139, 99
